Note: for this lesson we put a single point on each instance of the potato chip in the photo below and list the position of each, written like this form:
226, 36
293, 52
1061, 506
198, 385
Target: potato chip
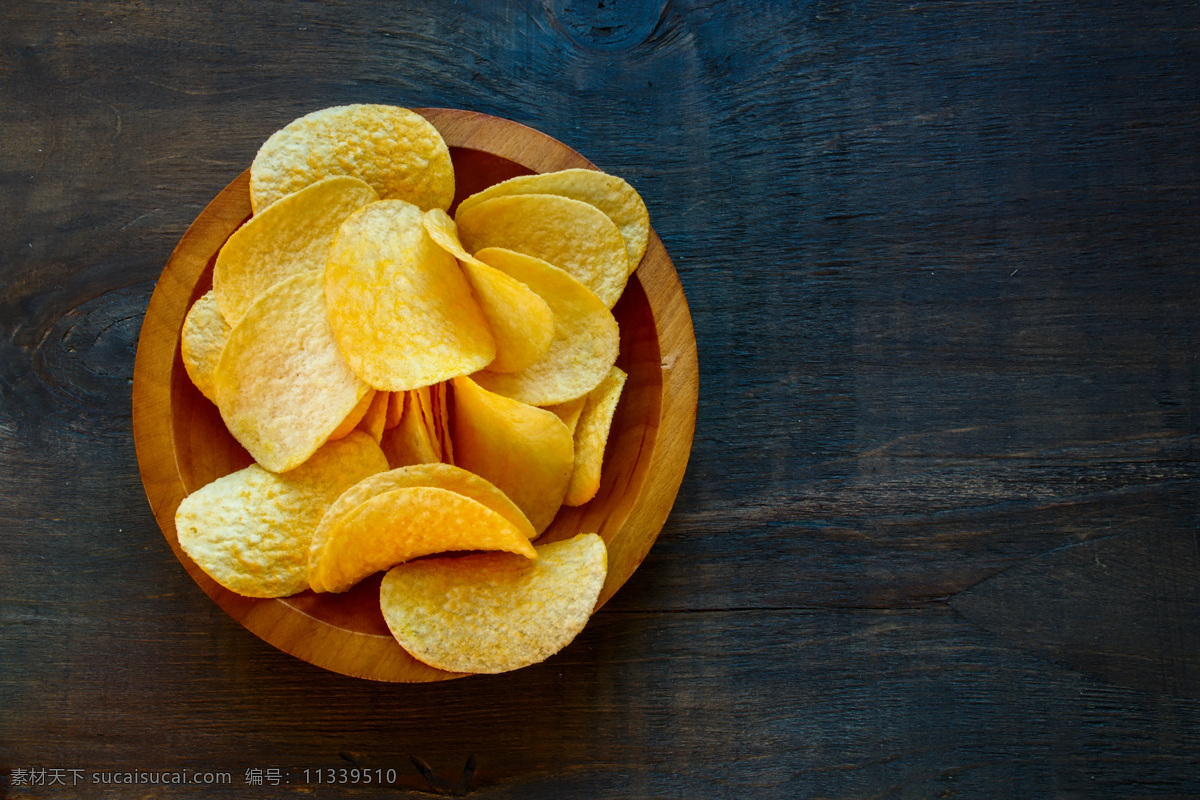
527, 452
426, 402
399, 306
591, 435
437, 476
570, 234
612, 195
376, 416
394, 410
282, 385
290, 237
494, 612
409, 442
251, 530
407, 523
439, 399
569, 411
204, 333
397, 151
354, 417
586, 338
521, 321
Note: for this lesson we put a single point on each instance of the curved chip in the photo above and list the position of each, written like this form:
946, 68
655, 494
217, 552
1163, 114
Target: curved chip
399, 306
394, 410
407, 523
437, 476
494, 612
569, 411
591, 435
290, 237
251, 530
204, 334
355, 416
409, 442
395, 150
526, 452
612, 195
425, 401
586, 337
439, 395
375, 417
282, 385
521, 321
570, 234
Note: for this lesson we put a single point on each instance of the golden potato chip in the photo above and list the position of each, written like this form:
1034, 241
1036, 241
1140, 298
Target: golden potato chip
569, 411
527, 452
494, 612
521, 321
439, 398
437, 476
394, 410
423, 400
251, 530
282, 385
399, 306
570, 234
591, 435
612, 195
407, 523
204, 333
586, 338
409, 442
354, 417
398, 152
376, 416
426, 402
464, 482
290, 237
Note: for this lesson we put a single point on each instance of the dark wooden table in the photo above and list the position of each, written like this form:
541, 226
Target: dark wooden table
938, 535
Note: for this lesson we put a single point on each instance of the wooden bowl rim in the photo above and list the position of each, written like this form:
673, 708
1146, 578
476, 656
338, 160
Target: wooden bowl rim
289, 628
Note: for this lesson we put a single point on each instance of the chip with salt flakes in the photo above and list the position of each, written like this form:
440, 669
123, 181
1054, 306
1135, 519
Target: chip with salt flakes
398, 304
251, 530
282, 384
403, 524
570, 234
494, 612
586, 337
395, 150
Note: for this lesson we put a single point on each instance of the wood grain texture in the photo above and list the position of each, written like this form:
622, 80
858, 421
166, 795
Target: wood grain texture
941, 263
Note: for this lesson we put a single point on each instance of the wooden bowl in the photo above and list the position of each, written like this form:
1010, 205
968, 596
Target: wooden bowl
182, 443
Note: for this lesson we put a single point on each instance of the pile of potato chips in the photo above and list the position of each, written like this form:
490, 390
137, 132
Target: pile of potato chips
420, 393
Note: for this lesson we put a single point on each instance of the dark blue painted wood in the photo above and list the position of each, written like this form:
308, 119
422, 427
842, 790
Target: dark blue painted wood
942, 263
